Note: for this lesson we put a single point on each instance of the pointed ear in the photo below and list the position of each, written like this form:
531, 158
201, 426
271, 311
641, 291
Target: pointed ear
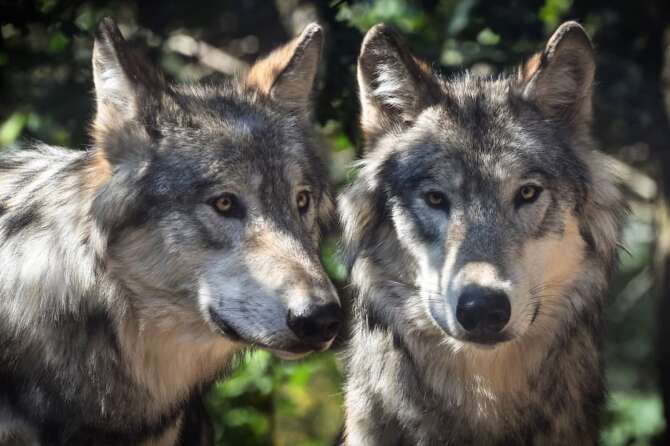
560, 78
123, 80
287, 74
394, 87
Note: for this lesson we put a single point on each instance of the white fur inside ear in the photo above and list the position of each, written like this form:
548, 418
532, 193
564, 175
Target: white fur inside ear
114, 92
390, 88
394, 87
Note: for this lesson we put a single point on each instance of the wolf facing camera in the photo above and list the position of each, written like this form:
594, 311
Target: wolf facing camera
480, 234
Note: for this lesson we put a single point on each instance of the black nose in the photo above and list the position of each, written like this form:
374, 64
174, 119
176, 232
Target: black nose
316, 324
483, 311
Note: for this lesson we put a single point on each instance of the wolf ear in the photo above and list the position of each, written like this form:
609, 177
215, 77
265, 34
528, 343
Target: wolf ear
123, 80
560, 78
393, 85
287, 74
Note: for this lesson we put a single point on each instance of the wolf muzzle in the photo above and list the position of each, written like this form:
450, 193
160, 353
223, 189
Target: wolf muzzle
483, 313
317, 324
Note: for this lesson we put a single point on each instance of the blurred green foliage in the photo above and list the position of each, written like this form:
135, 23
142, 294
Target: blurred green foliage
266, 401
45, 86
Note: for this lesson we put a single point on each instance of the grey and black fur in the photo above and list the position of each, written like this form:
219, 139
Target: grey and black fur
131, 274
480, 234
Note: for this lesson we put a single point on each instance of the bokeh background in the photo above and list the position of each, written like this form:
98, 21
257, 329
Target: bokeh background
46, 94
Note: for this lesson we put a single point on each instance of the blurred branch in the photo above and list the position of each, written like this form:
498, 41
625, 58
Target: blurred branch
639, 183
296, 14
206, 54
635, 289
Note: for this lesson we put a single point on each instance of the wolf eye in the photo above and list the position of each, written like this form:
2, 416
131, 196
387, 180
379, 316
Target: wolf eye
436, 200
228, 205
527, 194
302, 201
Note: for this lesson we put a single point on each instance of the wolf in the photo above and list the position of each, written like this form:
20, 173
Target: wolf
133, 273
479, 235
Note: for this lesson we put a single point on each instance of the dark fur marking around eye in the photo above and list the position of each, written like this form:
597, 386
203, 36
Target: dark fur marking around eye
401, 184
437, 200
400, 175
522, 200
426, 231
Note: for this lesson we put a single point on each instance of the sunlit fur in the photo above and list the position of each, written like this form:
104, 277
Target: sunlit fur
413, 375
119, 278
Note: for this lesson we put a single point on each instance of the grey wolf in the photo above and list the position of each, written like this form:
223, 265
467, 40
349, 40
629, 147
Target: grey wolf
479, 234
134, 272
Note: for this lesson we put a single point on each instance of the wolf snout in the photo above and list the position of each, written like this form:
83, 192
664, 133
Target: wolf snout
316, 325
483, 312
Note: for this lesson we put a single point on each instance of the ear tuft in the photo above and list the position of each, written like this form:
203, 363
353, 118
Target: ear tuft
287, 74
393, 85
560, 78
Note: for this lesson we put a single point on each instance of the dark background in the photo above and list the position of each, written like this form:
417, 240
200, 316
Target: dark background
46, 94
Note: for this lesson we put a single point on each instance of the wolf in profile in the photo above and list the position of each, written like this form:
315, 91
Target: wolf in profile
480, 234
132, 274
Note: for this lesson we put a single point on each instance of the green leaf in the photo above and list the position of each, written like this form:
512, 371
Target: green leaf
45, 6
332, 263
400, 13
11, 129
553, 12
57, 43
632, 419
488, 37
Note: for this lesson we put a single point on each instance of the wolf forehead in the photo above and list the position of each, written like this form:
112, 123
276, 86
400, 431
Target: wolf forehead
485, 128
213, 131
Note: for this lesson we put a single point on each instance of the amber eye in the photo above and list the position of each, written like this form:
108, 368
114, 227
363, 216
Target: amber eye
528, 193
302, 200
224, 204
228, 205
436, 199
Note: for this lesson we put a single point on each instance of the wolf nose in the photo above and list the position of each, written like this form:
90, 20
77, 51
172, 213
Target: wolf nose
483, 310
317, 324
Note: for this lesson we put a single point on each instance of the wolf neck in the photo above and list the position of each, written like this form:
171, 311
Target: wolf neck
488, 374
170, 358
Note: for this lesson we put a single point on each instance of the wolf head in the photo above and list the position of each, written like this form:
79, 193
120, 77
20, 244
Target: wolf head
487, 188
214, 196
